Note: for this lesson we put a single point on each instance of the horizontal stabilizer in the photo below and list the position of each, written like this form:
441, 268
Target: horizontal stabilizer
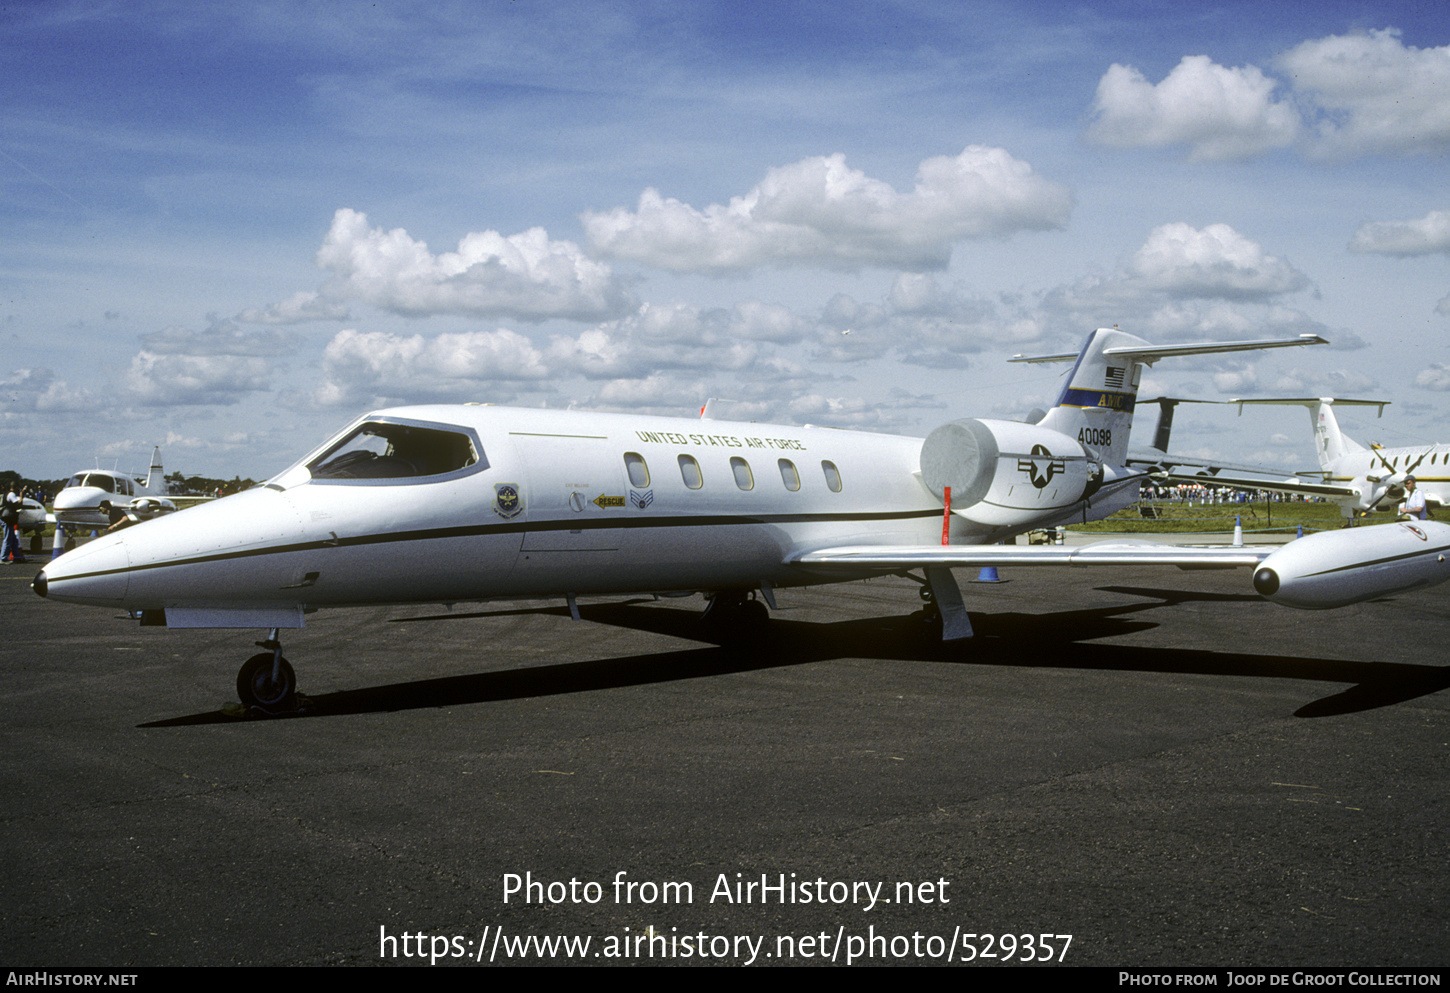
1151, 353
1310, 402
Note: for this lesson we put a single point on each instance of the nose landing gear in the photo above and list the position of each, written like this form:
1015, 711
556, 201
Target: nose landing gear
266, 681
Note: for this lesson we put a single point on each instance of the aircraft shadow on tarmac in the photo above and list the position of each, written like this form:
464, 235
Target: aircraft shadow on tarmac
1060, 640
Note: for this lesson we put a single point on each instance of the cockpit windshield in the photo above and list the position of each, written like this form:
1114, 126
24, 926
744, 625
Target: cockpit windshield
99, 480
395, 450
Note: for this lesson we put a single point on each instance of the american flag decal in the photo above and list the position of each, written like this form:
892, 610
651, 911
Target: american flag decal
1115, 377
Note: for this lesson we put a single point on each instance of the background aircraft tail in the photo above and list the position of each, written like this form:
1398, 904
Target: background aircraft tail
156, 476
1329, 441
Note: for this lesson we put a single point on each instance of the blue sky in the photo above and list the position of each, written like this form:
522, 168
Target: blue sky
231, 230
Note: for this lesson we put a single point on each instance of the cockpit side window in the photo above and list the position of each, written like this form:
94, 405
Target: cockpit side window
398, 451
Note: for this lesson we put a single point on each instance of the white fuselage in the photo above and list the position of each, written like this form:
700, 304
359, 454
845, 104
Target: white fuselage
1379, 475
553, 503
78, 504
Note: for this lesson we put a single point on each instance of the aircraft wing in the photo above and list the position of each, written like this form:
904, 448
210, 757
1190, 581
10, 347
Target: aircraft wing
1329, 569
1109, 553
1161, 466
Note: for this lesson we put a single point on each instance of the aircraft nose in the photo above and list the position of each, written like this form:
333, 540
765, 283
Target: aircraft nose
97, 572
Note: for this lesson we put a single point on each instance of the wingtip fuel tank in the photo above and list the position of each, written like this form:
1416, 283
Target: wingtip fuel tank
1337, 568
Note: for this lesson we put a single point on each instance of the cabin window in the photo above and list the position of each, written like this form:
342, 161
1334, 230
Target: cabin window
690, 472
743, 478
789, 476
638, 471
833, 476
395, 450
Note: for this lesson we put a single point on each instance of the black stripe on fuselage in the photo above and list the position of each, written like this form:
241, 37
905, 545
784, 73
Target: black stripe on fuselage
1384, 561
514, 527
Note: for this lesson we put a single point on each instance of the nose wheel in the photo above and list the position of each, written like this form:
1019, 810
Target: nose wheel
266, 681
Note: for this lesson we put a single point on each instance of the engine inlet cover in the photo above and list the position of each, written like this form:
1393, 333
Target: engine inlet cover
963, 455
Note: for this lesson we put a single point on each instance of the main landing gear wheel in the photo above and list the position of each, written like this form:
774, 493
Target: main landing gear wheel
928, 622
258, 685
737, 618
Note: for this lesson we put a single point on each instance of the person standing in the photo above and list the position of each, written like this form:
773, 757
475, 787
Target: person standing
10, 517
1414, 506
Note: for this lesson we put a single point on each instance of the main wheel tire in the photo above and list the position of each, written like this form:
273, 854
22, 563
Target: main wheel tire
257, 688
928, 624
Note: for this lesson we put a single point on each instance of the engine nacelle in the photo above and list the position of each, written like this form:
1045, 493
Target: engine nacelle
1336, 568
1005, 473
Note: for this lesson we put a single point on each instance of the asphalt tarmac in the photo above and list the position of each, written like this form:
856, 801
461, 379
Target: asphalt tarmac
1157, 763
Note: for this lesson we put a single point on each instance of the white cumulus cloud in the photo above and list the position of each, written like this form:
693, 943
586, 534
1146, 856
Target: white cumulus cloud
1215, 261
1364, 93
1374, 94
453, 367
1423, 236
527, 275
1220, 113
821, 212
1436, 378
39, 390
165, 378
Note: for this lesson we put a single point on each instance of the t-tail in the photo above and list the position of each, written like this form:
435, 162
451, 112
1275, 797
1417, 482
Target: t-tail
1329, 441
1096, 404
1008, 476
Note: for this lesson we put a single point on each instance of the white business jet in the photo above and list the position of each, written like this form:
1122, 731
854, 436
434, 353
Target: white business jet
444, 504
1363, 479
78, 504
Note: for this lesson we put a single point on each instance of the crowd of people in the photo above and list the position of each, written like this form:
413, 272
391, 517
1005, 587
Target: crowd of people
1200, 494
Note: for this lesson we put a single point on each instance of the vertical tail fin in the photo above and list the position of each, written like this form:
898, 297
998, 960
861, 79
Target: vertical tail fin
156, 477
1096, 405
1329, 441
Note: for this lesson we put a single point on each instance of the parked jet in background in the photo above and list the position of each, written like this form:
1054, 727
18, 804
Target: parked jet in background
444, 504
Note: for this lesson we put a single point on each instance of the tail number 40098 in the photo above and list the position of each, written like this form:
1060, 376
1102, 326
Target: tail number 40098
1097, 437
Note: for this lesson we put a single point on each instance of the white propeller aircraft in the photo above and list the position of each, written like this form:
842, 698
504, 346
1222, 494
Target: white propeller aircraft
1358, 479
1363, 479
78, 504
444, 504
